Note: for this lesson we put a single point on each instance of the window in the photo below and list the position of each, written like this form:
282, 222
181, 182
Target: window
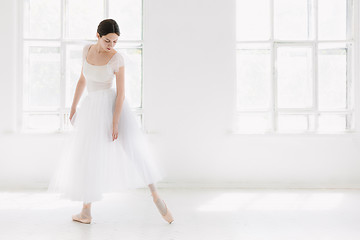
54, 33
295, 66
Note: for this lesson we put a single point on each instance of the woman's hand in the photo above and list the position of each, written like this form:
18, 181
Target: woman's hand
115, 131
72, 112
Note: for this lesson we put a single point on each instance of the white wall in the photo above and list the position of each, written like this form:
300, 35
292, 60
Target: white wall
189, 79
8, 60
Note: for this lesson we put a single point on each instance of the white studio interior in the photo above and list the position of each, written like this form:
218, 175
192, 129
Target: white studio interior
251, 109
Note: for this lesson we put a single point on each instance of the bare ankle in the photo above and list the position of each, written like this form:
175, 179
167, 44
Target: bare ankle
155, 195
87, 205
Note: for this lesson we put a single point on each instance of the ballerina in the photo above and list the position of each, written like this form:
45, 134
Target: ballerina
107, 151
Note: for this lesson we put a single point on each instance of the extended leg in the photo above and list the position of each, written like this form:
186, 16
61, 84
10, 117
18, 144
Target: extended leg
160, 204
155, 195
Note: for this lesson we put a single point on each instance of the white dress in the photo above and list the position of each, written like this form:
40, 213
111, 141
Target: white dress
91, 163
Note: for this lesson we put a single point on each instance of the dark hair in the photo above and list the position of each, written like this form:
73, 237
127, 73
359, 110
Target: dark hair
107, 26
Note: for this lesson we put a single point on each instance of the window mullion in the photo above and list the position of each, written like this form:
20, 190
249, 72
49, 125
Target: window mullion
349, 59
62, 65
315, 85
315, 67
144, 16
273, 121
356, 97
349, 66
274, 110
106, 9
21, 73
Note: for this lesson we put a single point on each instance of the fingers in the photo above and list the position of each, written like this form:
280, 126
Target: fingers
114, 136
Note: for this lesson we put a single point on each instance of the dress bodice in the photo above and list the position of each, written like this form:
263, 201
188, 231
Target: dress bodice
100, 77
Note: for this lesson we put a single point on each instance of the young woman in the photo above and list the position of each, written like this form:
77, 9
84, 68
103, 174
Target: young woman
107, 151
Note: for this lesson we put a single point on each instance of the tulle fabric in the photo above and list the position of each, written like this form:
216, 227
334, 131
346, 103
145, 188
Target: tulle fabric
92, 164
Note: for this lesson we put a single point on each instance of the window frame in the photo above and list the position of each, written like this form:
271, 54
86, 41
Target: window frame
352, 79
63, 41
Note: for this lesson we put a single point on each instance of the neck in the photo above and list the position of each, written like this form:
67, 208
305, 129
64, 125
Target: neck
98, 49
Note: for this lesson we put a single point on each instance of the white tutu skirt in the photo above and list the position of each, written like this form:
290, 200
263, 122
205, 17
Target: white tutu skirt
91, 163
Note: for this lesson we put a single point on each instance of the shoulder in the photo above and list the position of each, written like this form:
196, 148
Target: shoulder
87, 46
118, 56
119, 59
85, 50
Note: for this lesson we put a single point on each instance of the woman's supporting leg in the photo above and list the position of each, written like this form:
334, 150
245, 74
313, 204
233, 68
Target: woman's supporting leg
85, 215
86, 211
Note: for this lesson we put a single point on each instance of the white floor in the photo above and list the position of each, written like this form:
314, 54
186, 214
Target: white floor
243, 214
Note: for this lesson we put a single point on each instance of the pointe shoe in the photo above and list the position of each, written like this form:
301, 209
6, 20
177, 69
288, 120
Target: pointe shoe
78, 218
168, 217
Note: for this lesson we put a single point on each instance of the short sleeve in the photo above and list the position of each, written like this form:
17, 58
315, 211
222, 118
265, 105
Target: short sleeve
84, 52
118, 62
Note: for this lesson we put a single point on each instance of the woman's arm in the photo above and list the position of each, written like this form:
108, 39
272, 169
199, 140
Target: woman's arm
78, 92
120, 96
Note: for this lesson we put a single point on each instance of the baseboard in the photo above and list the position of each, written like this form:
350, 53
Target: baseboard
207, 185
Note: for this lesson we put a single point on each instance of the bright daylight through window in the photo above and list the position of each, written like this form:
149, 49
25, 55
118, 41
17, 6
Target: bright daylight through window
54, 33
295, 66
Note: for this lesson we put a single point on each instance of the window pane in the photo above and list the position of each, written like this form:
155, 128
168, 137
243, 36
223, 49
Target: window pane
332, 76
292, 19
133, 75
332, 19
41, 121
42, 81
253, 19
128, 15
294, 77
42, 18
84, 17
256, 122
293, 123
73, 71
332, 122
139, 120
253, 76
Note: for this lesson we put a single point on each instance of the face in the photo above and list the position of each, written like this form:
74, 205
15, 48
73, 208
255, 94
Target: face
108, 41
